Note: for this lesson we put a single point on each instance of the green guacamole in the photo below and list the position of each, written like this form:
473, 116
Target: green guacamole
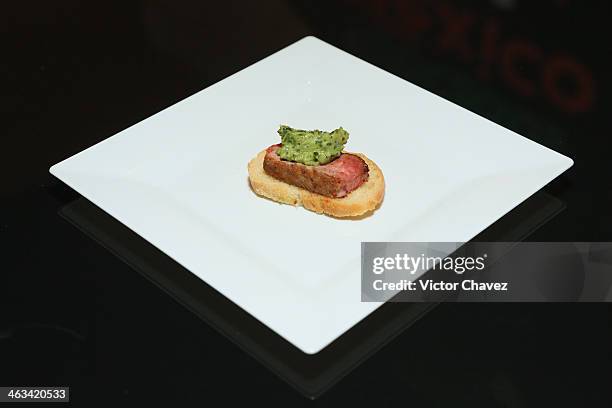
311, 147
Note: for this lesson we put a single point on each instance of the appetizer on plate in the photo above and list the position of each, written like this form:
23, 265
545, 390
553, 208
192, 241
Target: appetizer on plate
310, 168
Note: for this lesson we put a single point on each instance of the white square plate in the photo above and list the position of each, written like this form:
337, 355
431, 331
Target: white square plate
179, 180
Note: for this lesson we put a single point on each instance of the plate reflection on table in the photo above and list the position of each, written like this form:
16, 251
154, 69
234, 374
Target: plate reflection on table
309, 374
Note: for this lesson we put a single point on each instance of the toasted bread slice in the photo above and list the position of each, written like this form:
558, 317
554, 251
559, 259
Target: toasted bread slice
365, 198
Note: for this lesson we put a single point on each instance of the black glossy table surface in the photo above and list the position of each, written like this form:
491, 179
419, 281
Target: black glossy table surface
85, 304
